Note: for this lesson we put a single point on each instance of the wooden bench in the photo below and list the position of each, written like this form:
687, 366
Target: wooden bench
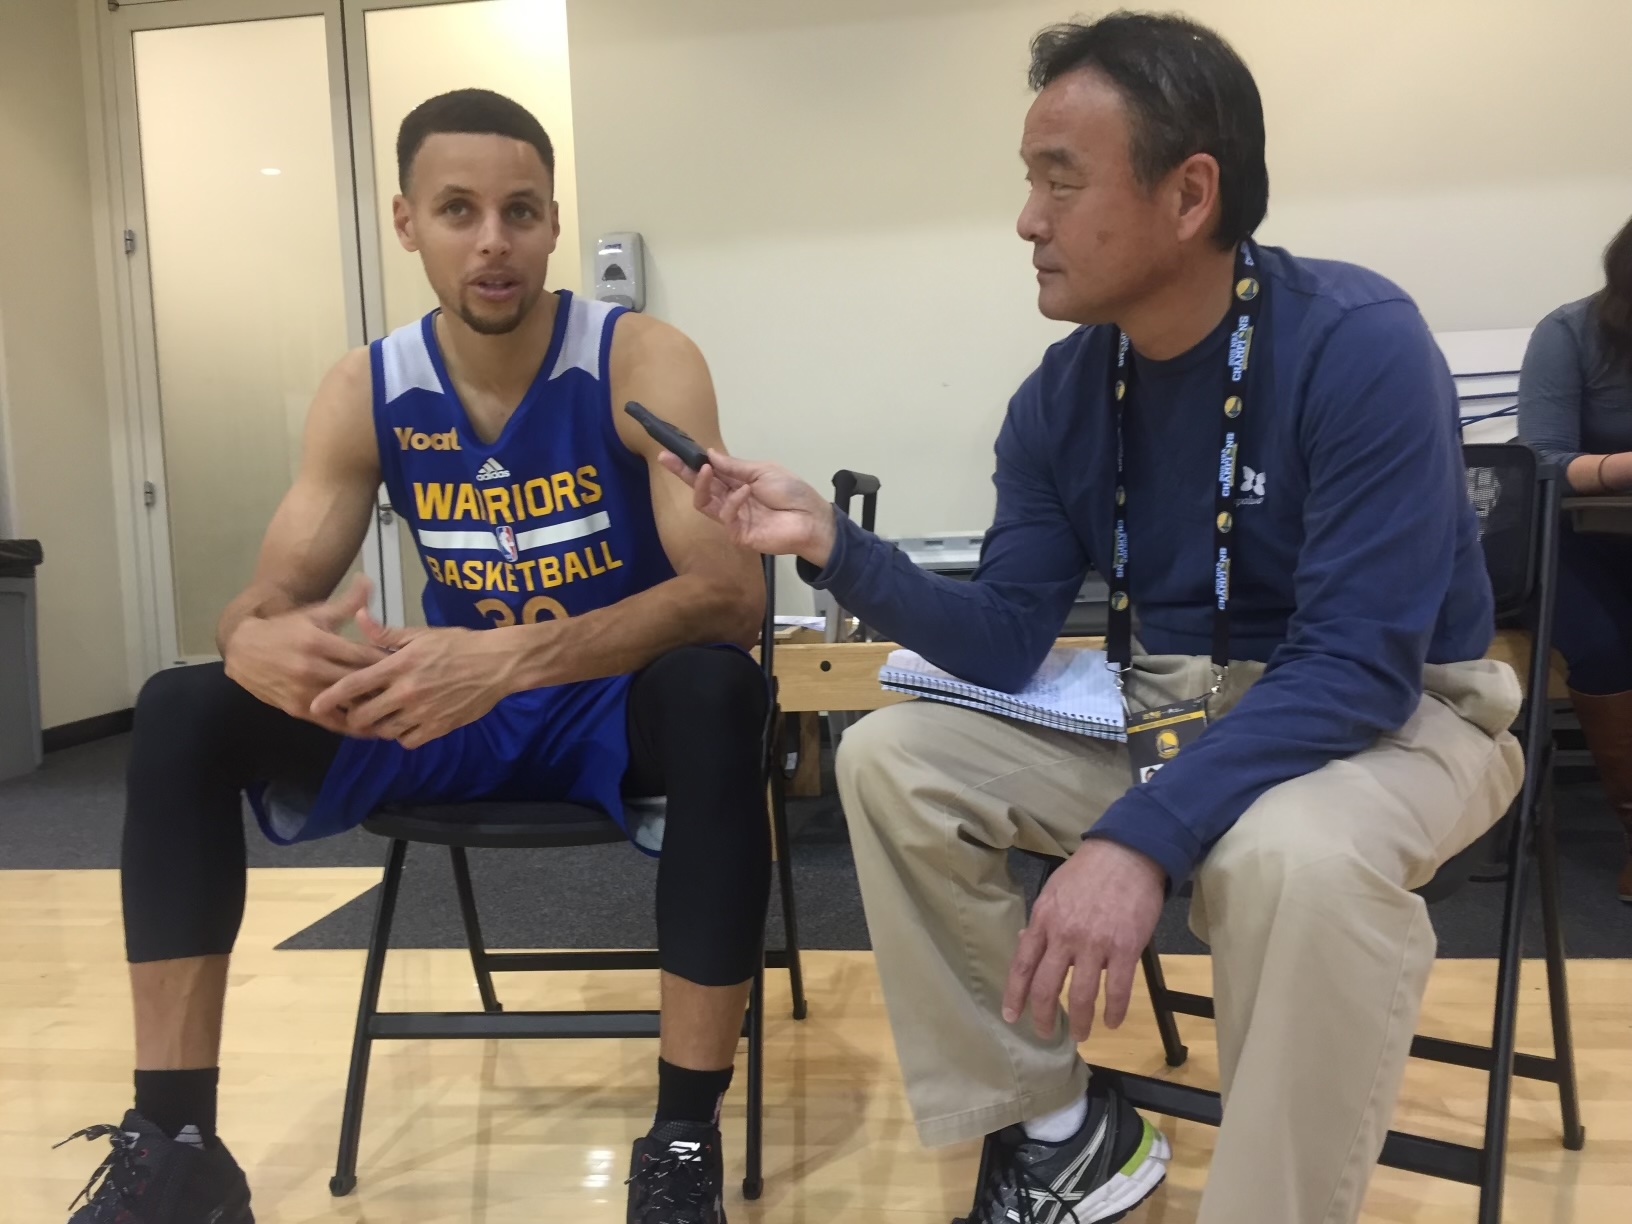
818, 676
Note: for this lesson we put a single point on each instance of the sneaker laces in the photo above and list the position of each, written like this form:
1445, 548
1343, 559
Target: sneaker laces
677, 1181
1007, 1173
120, 1172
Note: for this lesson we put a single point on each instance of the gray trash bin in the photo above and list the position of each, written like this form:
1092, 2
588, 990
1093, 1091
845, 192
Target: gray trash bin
20, 750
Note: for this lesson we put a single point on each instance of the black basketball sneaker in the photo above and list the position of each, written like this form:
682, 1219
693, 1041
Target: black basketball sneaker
1101, 1173
675, 1176
150, 1178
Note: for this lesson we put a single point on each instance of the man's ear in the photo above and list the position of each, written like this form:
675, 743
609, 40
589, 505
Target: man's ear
1194, 182
403, 222
555, 224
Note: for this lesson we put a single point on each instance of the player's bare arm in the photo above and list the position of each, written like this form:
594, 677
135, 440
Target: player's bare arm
717, 594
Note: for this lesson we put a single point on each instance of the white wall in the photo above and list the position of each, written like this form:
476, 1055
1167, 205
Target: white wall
55, 396
1476, 151
828, 195
828, 192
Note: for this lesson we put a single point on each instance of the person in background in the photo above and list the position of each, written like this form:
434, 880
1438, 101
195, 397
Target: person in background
1575, 410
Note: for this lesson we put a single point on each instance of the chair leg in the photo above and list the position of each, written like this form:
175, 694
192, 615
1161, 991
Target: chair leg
784, 871
753, 1181
1569, 1103
473, 929
344, 1180
1504, 1034
1166, 1022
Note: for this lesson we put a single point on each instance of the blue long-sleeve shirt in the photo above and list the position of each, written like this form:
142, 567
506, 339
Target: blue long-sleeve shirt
1356, 556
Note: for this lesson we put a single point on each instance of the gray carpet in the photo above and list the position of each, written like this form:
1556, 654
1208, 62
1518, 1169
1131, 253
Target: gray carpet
67, 815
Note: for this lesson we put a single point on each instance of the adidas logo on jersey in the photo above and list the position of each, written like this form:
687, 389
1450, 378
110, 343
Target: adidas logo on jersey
492, 470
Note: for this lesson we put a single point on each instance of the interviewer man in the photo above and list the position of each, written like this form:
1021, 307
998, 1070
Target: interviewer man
1269, 471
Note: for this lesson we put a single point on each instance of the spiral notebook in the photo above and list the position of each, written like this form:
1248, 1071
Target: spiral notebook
1072, 691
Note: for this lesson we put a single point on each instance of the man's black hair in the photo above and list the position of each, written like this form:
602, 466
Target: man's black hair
1186, 91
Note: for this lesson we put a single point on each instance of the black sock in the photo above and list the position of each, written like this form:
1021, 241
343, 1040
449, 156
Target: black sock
172, 1100
684, 1095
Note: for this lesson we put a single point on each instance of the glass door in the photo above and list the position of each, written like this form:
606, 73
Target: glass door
256, 144
243, 276
403, 52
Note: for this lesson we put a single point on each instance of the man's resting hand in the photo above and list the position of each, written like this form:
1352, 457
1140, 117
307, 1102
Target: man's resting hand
1096, 914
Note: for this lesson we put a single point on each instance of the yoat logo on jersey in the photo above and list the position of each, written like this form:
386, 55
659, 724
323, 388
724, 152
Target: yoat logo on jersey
413, 440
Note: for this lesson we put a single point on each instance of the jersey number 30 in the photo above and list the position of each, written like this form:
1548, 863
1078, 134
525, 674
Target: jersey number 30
538, 608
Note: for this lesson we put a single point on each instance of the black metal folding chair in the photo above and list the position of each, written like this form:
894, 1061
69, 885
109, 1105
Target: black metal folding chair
847, 486
1518, 507
498, 825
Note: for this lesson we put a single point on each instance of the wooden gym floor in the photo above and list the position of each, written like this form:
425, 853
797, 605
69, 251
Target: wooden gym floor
494, 1133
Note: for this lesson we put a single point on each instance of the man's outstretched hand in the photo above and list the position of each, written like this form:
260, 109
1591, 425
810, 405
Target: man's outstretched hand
766, 508
1095, 915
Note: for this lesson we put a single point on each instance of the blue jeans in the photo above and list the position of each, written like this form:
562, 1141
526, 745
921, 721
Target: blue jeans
1593, 626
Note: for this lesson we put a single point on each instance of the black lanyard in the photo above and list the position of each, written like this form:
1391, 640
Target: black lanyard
1247, 298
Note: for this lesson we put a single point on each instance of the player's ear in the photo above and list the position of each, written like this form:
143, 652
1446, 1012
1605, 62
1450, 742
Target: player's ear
403, 222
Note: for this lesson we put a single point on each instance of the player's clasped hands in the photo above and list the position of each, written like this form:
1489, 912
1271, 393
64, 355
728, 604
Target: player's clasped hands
411, 685
427, 682
288, 660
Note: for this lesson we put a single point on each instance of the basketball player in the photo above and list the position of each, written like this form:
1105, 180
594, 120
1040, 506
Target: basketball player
583, 645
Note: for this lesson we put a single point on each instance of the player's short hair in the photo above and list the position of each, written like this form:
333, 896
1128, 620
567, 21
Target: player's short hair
479, 112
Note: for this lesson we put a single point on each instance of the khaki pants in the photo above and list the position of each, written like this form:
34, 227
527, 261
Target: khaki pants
1320, 949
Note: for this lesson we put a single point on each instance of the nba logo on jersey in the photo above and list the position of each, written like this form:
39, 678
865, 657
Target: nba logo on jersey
507, 542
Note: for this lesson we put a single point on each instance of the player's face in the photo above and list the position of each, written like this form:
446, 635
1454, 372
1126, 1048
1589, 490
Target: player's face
1099, 238
480, 211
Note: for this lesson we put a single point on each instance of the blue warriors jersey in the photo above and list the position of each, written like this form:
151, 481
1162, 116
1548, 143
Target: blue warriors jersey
551, 519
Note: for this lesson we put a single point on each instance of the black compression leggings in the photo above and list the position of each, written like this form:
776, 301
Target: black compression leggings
696, 717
